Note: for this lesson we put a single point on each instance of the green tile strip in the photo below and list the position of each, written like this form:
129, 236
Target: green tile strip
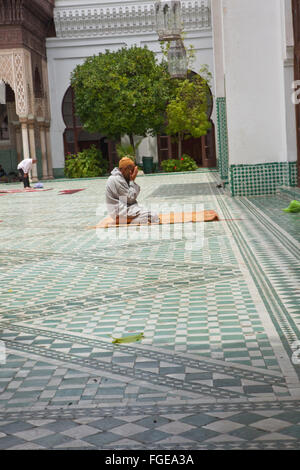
59, 176
293, 193
271, 206
275, 307
222, 138
260, 179
264, 375
271, 227
75, 358
9, 159
58, 173
293, 173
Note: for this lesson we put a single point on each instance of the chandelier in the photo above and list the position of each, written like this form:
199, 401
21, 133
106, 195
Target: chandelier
169, 29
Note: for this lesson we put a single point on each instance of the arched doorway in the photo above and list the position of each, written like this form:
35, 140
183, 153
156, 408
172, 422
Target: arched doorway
4, 130
76, 138
10, 134
202, 149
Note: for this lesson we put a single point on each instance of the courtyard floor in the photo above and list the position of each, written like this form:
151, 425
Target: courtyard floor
218, 307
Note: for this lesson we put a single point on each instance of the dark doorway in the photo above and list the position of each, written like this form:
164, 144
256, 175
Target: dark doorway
202, 150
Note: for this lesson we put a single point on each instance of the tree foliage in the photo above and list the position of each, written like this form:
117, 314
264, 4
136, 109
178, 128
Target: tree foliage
187, 111
86, 164
122, 92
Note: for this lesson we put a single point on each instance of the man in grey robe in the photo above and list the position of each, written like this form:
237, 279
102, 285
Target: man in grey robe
121, 196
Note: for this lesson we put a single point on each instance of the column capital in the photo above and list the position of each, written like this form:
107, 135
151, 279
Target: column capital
41, 123
16, 124
31, 123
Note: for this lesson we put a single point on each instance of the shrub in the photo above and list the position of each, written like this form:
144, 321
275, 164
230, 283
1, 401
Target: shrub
86, 164
170, 165
125, 150
185, 163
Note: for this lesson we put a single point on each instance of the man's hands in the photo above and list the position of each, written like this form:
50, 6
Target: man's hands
134, 173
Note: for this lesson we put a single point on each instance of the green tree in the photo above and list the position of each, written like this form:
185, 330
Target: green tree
188, 109
122, 92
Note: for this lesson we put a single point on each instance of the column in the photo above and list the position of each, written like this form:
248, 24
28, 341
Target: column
255, 96
44, 150
31, 126
18, 142
49, 155
220, 97
254, 93
25, 141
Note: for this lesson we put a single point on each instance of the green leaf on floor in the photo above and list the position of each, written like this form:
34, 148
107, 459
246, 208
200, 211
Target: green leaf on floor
129, 339
293, 207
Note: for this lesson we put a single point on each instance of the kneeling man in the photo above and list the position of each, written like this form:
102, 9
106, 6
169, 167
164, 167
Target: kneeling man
122, 193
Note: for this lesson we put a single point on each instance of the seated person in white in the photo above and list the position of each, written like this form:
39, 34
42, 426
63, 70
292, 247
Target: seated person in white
122, 193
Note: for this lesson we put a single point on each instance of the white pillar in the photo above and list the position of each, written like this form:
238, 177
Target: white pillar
31, 125
254, 81
218, 41
18, 142
25, 141
49, 155
44, 150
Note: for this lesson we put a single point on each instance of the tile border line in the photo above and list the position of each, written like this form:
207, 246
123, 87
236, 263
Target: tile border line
255, 271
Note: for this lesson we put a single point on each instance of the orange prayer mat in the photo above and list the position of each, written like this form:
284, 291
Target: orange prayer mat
171, 218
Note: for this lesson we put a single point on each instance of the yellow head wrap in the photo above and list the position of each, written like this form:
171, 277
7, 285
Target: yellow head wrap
125, 162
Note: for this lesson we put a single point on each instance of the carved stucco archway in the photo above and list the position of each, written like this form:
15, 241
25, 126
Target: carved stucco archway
16, 71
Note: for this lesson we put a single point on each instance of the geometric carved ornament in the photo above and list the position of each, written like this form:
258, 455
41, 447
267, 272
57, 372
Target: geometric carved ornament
13, 72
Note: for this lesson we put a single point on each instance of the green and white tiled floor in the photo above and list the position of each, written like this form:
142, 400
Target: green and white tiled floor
214, 369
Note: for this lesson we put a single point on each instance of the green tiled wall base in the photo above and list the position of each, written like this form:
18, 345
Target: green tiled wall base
39, 163
8, 160
58, 173
293, 173
255, 180
222, 138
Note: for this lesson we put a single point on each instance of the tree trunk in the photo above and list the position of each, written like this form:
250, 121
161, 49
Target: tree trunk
179, 145
132, 142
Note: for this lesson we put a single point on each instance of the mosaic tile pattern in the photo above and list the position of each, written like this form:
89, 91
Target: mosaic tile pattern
255, 180
272, 208
271, 426
281, 257
273, 263
222, 138
227, 334
293, 173
214, 368
179, 190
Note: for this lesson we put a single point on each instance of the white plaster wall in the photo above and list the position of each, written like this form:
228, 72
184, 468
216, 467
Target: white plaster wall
65, 53
288, 23
291, 133
254, 77
218, 45
288, 56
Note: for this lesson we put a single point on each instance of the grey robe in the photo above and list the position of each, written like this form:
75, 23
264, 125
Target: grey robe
121, 199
